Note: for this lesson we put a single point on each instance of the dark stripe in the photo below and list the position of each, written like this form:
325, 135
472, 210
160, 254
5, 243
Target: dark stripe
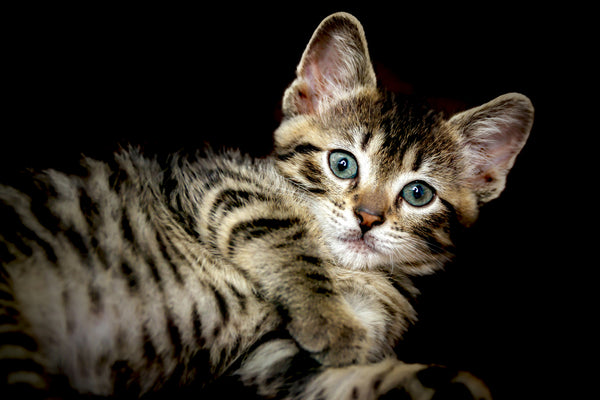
239, 296
222, 304
5, 255
229, 199
129, 236
8, 319
436, 220
13, 231
298, 235
303, 148
11, 311
449, 206
174, 335
410, 297
126, 227
305, 187
174, 203
317, 277
95, 298
183, 219
154, 270
70, 319
88, 207
44, 215
366, 139
99, 252
316, 190
11, 223
324, 291
168, 186
418, 160
8, 365
50, 254
271, 336
311, 172
149, 349
257, 228
296, 182
234, 349
167, 257
18, 339
40, 191
213, 178
4, 295
434, 246
117, 178
197, 324
310, 259
454, 226
32, 236
132, 280
76, 240
4, 275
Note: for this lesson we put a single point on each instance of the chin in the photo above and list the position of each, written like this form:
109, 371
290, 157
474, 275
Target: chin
359, 254
364, 254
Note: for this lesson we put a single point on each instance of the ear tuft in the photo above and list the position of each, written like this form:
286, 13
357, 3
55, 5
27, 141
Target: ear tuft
493, 135
335, 62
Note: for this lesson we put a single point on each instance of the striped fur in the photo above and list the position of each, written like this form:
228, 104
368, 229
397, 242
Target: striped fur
136, 278
125, 285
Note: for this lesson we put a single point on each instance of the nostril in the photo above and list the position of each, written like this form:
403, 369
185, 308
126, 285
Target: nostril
368, 218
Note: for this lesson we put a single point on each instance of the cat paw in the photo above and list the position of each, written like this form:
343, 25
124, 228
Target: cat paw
349, 347
332, 342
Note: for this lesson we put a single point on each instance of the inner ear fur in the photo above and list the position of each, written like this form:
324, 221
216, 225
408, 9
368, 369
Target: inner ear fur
335, 62
492, 135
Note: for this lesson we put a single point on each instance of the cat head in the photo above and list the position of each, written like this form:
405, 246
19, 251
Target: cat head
387, 179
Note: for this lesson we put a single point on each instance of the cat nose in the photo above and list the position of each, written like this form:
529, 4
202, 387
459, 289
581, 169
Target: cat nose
368, 218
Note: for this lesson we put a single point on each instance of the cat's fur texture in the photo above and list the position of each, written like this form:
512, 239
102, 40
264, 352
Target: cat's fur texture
288, 275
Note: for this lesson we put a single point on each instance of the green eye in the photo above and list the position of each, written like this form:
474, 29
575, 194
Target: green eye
418, 193
343, 164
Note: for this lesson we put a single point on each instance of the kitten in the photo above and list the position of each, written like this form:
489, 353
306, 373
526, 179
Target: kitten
289, 275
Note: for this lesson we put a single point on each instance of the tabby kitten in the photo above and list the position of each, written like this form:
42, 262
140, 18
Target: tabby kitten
286, 275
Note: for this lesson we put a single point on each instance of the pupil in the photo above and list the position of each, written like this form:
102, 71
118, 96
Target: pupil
342, 164
417, 192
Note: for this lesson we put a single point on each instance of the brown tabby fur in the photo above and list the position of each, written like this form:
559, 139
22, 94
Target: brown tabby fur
282, 275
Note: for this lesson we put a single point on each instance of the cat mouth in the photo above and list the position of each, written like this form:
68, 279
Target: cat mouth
359, 245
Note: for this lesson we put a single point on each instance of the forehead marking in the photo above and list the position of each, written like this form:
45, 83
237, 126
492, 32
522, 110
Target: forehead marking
366, 138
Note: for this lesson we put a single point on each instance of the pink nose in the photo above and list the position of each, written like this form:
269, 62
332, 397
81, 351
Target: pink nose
368, 218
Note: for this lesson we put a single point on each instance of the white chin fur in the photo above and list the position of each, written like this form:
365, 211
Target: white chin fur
358, 254
371, 253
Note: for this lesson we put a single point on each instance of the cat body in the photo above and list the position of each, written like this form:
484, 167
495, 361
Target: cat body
288, 275
134, 286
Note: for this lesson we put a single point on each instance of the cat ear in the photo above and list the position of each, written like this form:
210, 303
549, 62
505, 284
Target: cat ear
493, 135
335, 62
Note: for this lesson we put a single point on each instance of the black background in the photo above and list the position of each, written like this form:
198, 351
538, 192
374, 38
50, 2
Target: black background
86, 80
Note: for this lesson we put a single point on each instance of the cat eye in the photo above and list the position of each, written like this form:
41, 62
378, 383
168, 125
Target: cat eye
343, 164
418, 193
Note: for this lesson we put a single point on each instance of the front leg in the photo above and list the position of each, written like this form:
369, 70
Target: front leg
321, 320
280, 252
283, 260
